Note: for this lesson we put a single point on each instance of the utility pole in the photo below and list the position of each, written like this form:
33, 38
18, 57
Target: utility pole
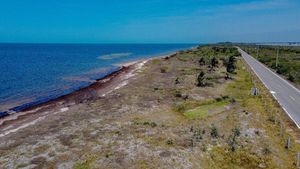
298, 160
257, 50
277, 57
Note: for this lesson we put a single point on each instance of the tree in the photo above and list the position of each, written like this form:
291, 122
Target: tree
232, 59
230, 66
201, 79
202, 61
214, 62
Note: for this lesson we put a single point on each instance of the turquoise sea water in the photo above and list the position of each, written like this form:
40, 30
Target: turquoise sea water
34, 73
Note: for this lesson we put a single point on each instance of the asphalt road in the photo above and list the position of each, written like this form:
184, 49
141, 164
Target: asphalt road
286, 94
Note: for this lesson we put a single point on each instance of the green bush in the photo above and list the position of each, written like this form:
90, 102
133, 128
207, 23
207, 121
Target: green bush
291, 77
214, 131
214, 62
236, 132
169, 142
230, 65
266, 151
202, 61
201, 79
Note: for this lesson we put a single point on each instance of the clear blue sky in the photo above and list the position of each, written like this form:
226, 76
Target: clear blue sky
149, 21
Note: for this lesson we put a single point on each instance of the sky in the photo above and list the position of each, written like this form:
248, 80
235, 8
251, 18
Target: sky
149, 21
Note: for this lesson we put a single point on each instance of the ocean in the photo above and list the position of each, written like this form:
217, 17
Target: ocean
35, 73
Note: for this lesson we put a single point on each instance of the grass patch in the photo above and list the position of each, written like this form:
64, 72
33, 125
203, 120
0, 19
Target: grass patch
185, 57
85, 164
242, 158
241, 87
82, 165
164, 69
189, 71
203, 111
190, 104
155, 61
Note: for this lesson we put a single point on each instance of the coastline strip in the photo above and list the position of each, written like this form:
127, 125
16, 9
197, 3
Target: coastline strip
100, 88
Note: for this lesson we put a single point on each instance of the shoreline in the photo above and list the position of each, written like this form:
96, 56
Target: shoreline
36, 103
118, 66
30, 115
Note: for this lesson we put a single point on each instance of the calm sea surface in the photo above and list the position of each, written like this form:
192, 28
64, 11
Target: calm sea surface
33, 73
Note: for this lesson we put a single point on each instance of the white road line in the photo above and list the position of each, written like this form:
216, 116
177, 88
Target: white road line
292, 98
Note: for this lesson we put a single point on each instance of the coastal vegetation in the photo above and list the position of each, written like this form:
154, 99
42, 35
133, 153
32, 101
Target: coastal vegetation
193, 109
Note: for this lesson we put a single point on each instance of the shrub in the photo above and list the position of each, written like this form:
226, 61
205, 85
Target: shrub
218, 99
214, 62
232, 143
291, 77
271, 118
163, 69
204, 147
180, 108
225, 97
177, 81
178, 93
227, 76
230, 65
236, 132
169, 142
266, 151
198, 134
232, 100
153, 124
146, 123
214, 131
201, 79
202, 61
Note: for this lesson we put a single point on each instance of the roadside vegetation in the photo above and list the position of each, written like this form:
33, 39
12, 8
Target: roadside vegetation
288, 61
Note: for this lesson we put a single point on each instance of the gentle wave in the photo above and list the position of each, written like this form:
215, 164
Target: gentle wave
114, 56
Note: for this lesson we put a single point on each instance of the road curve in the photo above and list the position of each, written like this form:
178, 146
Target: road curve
286, 94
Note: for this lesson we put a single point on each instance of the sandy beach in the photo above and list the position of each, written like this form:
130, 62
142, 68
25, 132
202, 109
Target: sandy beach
98, 89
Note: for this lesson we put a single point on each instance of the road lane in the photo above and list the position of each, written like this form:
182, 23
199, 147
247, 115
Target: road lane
286, 94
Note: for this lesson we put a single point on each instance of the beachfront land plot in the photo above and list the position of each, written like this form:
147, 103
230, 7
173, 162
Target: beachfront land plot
162, 118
